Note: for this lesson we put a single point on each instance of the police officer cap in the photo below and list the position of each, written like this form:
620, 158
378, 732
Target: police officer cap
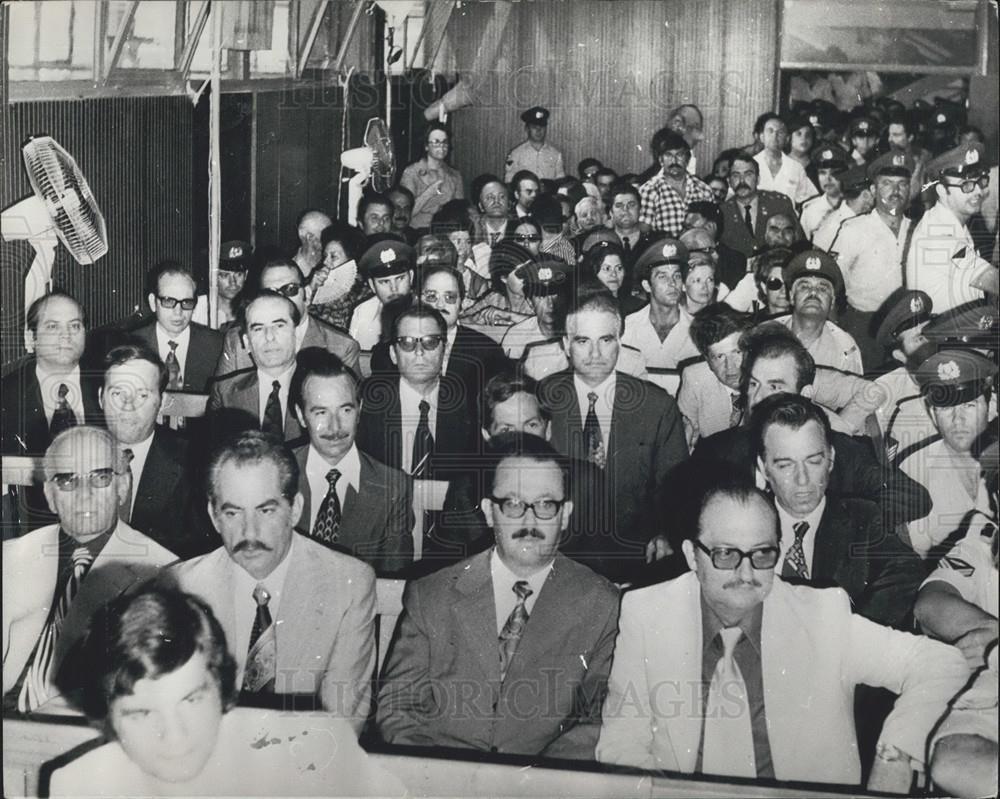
864, 126
662, 251
854, 178
536, 116
893, 165
234, 256
595, 237
959, 162
951, 377
974, 324
829, 156
813, 263
385, 258
907, 309
544, 278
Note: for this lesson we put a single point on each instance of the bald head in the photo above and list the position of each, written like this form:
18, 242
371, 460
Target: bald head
311, 225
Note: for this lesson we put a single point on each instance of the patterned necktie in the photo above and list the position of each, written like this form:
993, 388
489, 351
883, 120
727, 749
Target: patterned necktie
748, 219
513, 628
423, 444
263, 652
728, 736
592, 436
494, 238
736, 412
125, 509
37, 686
626, 245
795, 559
273, 421
173, 368
63, 417
327, 526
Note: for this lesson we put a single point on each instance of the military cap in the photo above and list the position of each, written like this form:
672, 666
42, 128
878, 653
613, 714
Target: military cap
951, 377
908, 309
864, 126
595, 237
941, 118
234, 256
975, 324
829, 156
536, 116
545, 278
385, 258
662, 251
892, 164
959, 162
507, 256
854, 178
817, 263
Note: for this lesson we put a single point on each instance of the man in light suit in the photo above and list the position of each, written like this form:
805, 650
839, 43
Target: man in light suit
194, 348
369, 513
285, 277
630, 428
55, 577
529, 629
750, 203
775, 663
298, 617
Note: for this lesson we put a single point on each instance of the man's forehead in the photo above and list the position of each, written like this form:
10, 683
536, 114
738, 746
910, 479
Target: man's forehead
177, 283
316, 388
727, 344
592, 322
269, 309
781, 438
92, 452
378, 208
528, 476
417, 326
781, 367
780, 221
518, 402
136, 372
59, 308
748, 521
278, 276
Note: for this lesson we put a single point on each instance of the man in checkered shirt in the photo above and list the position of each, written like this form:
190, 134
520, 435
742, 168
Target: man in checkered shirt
666, 196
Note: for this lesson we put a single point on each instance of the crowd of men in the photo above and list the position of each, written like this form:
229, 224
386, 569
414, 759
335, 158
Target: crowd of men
717, 458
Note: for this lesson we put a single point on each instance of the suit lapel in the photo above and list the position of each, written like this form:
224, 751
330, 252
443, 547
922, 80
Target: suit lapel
361, 511
833, 541
301, 455
158, 479
297, 627
475, 614
554, 610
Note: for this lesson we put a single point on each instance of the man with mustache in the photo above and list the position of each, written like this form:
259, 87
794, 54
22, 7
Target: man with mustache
746, 213
351, 502
666, 196
299, 618
507, 651
814, 282
729, 671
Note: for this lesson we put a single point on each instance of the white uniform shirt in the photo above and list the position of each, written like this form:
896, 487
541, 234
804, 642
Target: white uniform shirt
969, 568
870, 257
366, 323
546, 162
519, 336
835, 347
814, 213
791, 179
666, 354
826, 233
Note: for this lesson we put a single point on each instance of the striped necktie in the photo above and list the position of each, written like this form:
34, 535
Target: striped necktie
174, 381
262, 655
513, 628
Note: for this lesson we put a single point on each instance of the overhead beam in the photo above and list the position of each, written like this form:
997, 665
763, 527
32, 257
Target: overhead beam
306, 47
119, 43
446, 8
345, 42
191, 45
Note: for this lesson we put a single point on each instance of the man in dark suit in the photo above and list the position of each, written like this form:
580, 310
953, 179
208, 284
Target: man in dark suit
189, 350
162, 502
351, 502
624, 210
731, 265
745, 214
528, 628
285, 277
628, 427
257, 398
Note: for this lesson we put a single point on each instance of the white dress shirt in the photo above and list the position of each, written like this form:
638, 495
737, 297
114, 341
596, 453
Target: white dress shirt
140, 452
48, 385
409, 408
163, 339
675, 347
264, 386
245, 605
316, 469
504, 598
788, 523
870, 257
604, 407
791, 179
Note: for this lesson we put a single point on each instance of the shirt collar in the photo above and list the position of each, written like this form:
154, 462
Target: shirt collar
94, 546
349, 466
265, 380
409, 395
43, 375
787, 520
711, 624
140, 447
502, 575
605, 389
162, 336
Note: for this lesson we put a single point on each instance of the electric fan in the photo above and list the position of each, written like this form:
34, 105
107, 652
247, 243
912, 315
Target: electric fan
62, 209
374, 161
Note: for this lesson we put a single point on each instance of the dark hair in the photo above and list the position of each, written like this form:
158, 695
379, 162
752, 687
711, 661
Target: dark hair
707, 209
433, 126
435, 249
586, 164
727, 156
523, 174
524, 220
598, 299
137, 351
774, 340
590, 265
763, 119
399, 188
747, 159
480, 182
168, 268
442, 269
666, 139
736, 486
788, 410
715, 322
318, 362
623, 187
348, 236
275, 263
253, 447
36, 308
417, 310
547, 210
521, 445
900, 119
604, 171
501, 387
451, 217
370, 198
152, 630
244, 306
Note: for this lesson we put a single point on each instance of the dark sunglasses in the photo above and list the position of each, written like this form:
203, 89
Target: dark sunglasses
171, 302
731, 558
774, 283
289, 290
410, 343
525, 238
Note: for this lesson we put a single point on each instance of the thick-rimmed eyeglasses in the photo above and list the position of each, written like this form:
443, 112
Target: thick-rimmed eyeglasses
969, 186
731, 558
289, 290
449, 297
172, 302
97, 478
410, 343
514, 508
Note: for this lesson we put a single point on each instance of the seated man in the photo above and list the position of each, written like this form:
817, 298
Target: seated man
56, 576
299, 618
728, 671
546, 284
387, 265
351, 502
528, 629
167, 702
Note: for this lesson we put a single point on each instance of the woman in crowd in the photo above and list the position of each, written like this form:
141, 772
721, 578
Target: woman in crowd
768, 271
605, 261
431, 179
699, 282
335, 281
527, 233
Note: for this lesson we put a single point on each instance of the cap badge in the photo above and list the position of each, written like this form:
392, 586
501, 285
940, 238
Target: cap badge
863, 126
898, 160
813, 262
916, 305
236, 251
985, 322
949, 371
545, 274
941, 119
814, 119
827, 155
387, 256
972, 156
669, 250
539, 115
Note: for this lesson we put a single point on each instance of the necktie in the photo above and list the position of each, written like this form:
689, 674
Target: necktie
273, 421
513, 628
174, 383
327, 526
795, 559
626, 244
63, 417
736, 412
592, 436
494, 238
125, 509
728, 736
423, 444
263, 652
37, 686
748, 219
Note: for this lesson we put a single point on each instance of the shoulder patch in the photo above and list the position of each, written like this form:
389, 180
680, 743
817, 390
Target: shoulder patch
963, 567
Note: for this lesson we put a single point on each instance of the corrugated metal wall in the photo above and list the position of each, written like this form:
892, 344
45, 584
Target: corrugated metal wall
137, 156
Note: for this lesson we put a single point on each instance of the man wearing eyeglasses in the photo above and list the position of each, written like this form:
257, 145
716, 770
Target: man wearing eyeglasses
189, 350
529, 630
56, 576
731, 672
942, 259
284, 277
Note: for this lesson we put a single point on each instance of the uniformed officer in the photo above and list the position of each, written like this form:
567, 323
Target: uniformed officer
864, 136
534, 153
975, 325
858, 199
544, 281
387, 265
829, 162
956, 386
942, 259
234, 259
